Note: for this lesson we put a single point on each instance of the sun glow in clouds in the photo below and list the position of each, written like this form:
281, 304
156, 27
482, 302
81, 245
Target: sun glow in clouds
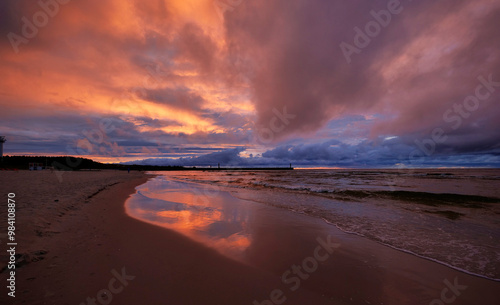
176, 76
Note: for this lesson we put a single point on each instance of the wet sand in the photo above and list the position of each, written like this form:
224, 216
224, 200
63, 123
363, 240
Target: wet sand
359, 271
97, 251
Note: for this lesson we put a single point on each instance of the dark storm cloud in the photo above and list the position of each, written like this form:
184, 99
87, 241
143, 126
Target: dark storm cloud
354, 156
181, 98
427, 58
226, 157
186, 81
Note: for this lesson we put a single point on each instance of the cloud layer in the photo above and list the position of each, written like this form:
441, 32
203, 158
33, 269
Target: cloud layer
119, 81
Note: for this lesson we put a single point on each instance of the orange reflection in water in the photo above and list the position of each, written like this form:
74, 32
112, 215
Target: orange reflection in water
216, 222
188, 220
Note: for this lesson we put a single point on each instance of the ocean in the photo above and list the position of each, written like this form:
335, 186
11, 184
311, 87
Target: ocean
450, 216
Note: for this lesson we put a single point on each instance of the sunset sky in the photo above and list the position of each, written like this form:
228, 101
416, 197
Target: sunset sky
358, 83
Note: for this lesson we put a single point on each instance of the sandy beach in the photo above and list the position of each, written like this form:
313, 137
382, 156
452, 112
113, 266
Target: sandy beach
79, 246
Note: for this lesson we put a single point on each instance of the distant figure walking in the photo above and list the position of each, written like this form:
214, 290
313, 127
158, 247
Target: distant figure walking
129, 170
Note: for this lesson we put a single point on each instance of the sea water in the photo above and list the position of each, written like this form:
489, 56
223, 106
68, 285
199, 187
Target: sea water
451, 216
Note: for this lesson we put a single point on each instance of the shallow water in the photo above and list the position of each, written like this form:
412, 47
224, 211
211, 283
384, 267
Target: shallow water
450, 216
174, 205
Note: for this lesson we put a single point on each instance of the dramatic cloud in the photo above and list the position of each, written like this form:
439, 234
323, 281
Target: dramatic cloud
356, 83
426, 59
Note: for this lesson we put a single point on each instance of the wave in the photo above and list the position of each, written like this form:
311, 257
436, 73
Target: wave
414, 253
425, 198
450, 217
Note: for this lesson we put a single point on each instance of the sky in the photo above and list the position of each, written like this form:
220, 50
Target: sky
359, 83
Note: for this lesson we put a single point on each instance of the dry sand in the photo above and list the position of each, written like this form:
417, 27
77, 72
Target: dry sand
76, 248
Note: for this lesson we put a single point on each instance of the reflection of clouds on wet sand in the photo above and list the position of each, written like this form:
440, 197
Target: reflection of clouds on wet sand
214, 222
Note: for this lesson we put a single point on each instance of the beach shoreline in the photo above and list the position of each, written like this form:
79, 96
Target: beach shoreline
99, 241
98, 252
55, 219
427, 214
